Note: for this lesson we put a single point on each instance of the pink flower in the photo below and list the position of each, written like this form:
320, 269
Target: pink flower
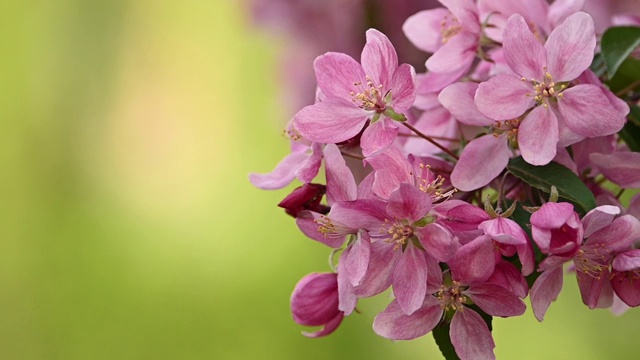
625, 277
556, 229
540, 93
464, 284
354, 94
314, 302
606, 235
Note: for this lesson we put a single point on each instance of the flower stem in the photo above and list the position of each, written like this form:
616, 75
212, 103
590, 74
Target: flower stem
429, 139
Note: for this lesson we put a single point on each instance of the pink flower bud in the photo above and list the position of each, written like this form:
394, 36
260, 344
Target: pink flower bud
314, 302
556, 229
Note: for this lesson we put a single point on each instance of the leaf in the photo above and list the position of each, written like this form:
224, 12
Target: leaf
569, 185
616, 45
630, 133
626, 78
441, 335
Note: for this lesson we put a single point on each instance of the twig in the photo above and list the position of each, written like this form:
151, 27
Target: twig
447, 151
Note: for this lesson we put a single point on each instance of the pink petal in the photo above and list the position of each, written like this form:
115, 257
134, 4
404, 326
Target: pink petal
341, 186
552, 215
458, 98
382, 262
327, 328
306, 222
627, 288
394, 324
587, 111
545, 290
622, 168
359, 214
310, 167
403, 88
570, 47
504, 231
347, 299
330, 122
538, 136
433, 82
627, 261
598, 218
336, 74
408, 202
423, 29
509, 277
409, 279
482, 160
356, 258
456, 54
592, 289
438, 242
466, 12
618, 236
282, 175
496, 300
473, 261
504, 97
378, 136
523, 52
379, 59
559, 10
470, 336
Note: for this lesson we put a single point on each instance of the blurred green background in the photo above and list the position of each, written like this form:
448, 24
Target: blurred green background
129, 229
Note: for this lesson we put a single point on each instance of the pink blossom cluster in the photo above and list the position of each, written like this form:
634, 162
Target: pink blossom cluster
415, 194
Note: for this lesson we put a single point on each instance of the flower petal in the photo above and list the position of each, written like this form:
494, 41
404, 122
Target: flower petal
378, 136
456, 54
403, 88
341, 186
438, 242
409, 279
570, 47
327, 329
337, 73
587, 111
458, 98
622, 168
394, 324
330, 122
504, 97
282, 175
356, 258
538, 136
618, 236
482, 160
523, 52
408, 202
496, 300
379, 58
545, 290
470, 336
474, 261
627, 288
423, 29
598, 218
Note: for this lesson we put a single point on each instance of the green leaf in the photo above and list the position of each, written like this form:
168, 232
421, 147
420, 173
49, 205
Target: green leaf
630, 133
626, 78
616, 45
441, 335
569, 185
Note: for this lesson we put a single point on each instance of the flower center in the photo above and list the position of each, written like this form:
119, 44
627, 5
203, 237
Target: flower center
369, 97
451, 297
432, 185
449, 27
546, 89
590, 263
330, 229
399, 232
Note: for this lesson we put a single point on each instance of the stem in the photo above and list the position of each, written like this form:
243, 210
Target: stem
620, 193
628, 88
429, 139
431, 136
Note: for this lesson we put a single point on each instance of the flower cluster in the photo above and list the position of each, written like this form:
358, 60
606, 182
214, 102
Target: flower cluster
467, 189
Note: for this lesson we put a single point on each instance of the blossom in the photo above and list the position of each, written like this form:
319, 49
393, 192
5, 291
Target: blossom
353, 94
314, 302
540, 94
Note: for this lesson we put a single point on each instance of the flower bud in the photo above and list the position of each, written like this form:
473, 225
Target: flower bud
556, 229
314, 302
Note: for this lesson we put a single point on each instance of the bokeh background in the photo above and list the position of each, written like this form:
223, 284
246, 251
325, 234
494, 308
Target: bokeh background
128, 227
